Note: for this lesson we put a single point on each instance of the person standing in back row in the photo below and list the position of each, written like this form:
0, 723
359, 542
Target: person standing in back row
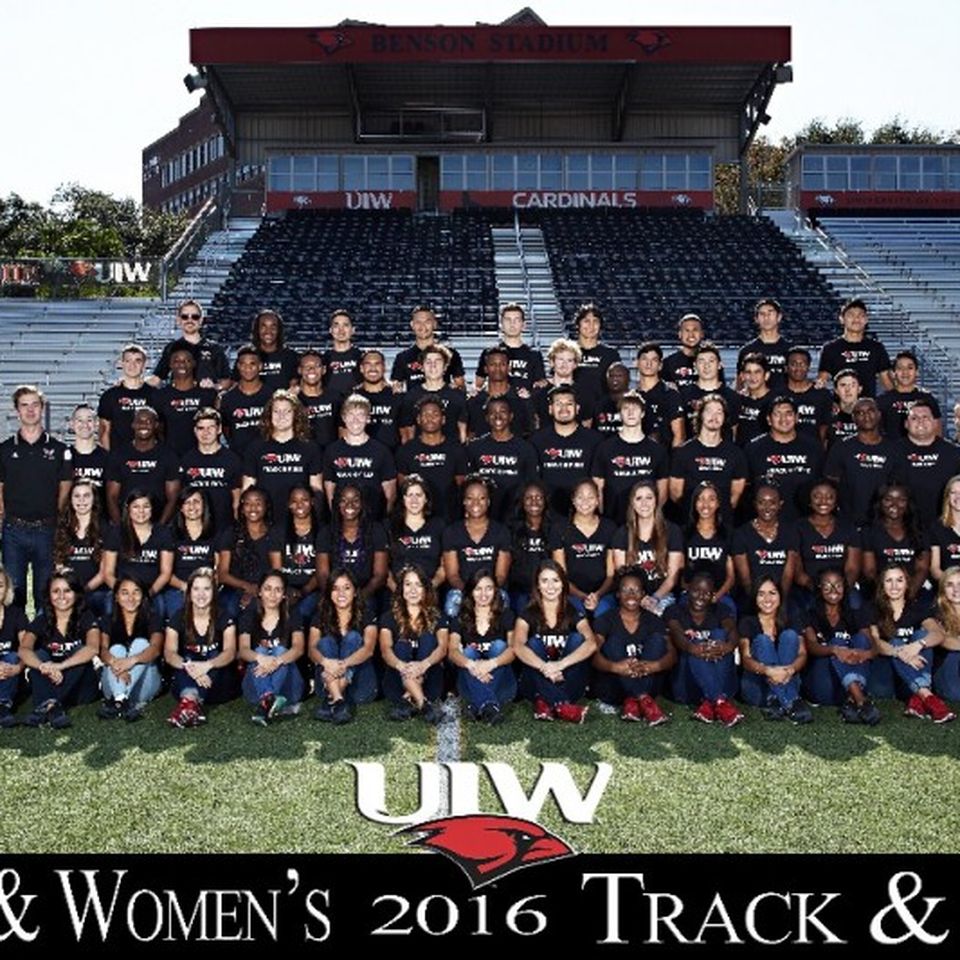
854, 350
35, 475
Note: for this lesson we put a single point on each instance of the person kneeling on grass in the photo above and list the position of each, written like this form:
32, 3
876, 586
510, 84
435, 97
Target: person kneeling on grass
633, 653
555, 644
839, 650
903, 635
343, 637
413, 646
772, 654
131, 640
58, 647
705, 638
480, 649
201, 646
271, 643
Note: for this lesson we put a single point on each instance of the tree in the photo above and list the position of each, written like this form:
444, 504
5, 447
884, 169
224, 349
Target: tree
845, 130
895, 131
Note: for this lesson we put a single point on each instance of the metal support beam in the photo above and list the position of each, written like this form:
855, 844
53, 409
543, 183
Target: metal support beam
753, 114
223, 109
354, 100
620, 103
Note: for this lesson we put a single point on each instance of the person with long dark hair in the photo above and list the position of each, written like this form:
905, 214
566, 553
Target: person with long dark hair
529, 539
13, 626
271, 642
554, 643
200, 648
278, 363
772, 654
131, 641
139, 548
839, 650
416, 536
354, 541
413, 645
581, 545
473, 543
294, 552
480, 649
895, 538
78, 543
904, 643
194, 545
707, 543
705, 638
652, 543
633, 654
243, 553
343, 638
59, 647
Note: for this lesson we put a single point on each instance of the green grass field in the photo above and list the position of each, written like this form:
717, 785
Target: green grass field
109, 787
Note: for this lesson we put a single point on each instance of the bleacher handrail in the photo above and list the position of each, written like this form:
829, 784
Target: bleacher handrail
187, 244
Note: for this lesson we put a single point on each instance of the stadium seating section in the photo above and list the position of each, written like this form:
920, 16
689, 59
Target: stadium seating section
647, 269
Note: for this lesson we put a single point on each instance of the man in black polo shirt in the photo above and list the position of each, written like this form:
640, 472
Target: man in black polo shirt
35, 472
213, 369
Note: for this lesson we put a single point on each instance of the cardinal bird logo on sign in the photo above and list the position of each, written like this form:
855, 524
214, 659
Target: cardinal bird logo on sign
330, 41
489, 847
650, 41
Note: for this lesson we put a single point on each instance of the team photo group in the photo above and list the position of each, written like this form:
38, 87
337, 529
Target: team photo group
572, 528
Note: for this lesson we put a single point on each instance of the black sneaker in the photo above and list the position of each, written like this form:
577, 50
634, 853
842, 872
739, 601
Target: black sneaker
342, 712
110, 709
799, 712
59, 719
324, 712
431, 712
401, 710
773, 709
850, 713
133, 712
496, 715
868, 713
7, 717
261, 716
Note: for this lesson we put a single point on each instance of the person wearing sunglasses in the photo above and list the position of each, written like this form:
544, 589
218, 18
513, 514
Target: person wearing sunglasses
213, 368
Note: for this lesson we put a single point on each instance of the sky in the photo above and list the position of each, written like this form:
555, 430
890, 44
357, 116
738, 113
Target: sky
87, 86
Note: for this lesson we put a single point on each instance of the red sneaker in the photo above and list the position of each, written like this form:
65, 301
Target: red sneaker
651, 711
179, 717
631, 710
704, 713
541, 709
915, 707
726, 713
937, 710
570, 712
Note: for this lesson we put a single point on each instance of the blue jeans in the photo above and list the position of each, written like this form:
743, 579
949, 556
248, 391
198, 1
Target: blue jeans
100, 602
79, 684
144, 677
694, 679
574, 683
362, 679
10, 687
25, 547
607, 602
826, 679
225, 685
168, 603
284, 682
502, 687
755, 689
946, 678
890, 675
613, 688
403, 650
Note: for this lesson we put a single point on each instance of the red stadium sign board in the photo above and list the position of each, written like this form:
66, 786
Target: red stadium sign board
517, 199
831, 200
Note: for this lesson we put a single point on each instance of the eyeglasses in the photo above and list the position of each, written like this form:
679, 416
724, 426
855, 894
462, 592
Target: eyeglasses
189, 316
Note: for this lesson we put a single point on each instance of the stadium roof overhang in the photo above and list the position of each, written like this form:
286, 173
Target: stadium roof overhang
491, 68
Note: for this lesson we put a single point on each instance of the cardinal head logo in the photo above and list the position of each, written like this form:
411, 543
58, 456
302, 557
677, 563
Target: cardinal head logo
330, 41
488, 847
